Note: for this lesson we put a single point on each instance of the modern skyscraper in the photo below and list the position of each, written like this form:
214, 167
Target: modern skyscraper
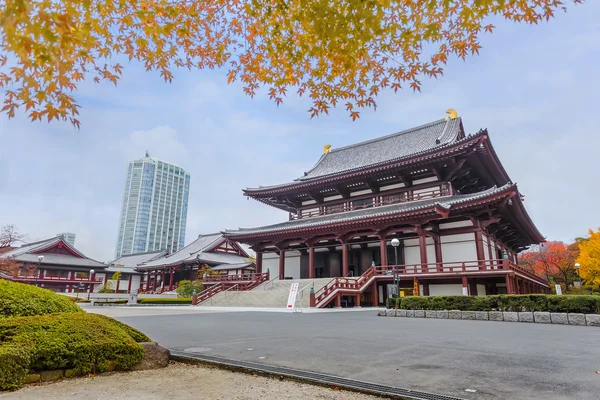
154, 210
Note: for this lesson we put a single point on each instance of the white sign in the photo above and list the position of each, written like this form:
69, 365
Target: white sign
558, 289
465, 291
292, 298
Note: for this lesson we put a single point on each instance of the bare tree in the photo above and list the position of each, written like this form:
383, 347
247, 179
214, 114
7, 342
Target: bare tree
9, 235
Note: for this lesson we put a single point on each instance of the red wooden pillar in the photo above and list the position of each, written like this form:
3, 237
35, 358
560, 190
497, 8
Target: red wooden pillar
171, 279
311, 262
465, 284
357, 301
129, 284
117, 286
374, 294
517, 286
345, 268
425, 289
259, 261
281, 264
438, 254
423, 247
479, 248
338, 301
383, 251
509, 285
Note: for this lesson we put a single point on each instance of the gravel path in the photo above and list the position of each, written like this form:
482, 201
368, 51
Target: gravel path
181, 382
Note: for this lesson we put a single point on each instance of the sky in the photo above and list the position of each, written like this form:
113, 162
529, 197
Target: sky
535, 88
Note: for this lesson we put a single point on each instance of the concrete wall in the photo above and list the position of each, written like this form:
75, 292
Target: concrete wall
446, 290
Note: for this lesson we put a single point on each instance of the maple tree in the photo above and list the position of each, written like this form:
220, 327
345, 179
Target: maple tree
9, 235
554, 261
9, 266
333, 50
589, 258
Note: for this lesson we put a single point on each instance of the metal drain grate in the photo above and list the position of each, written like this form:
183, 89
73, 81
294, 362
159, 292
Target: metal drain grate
366, 387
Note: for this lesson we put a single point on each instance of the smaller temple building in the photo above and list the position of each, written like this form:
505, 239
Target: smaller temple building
56, 265
221, 255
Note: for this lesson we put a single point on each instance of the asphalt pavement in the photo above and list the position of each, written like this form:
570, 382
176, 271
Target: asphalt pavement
498, 360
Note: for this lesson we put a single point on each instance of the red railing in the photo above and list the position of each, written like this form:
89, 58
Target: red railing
322, 296
335, 207
237, 278
243, 282
210, 292
65, 279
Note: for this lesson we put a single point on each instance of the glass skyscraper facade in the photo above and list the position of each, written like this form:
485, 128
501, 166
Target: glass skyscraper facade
154, 210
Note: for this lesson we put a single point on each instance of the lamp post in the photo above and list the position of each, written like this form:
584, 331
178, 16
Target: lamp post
577, 268
92, 272
37, 270
395, 244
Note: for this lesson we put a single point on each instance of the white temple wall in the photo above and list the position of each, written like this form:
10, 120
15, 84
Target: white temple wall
445, 290
459, 248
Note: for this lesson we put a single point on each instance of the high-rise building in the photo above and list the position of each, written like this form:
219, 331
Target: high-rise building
69, 237
154, 210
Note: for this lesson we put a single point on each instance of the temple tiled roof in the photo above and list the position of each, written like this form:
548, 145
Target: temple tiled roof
226, 267
131, 261
198, 250
445, 202
386, 148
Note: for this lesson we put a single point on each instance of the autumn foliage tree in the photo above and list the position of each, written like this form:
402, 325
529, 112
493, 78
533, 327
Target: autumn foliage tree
589, 258
9, 235
554, 261
334, 51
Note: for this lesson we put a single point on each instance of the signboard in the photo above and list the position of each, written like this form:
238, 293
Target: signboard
465, 291
292, 297
558, 289
416, 288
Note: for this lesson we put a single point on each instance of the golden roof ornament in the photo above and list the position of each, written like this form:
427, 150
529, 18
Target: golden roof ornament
327, 149
452, 114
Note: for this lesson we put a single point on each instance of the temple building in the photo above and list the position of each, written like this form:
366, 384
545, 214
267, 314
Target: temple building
227, 259
458, 219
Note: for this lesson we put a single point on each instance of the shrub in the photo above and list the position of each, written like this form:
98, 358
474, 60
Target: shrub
136, 335
159, 300
84, 342
19, 299
186, 288
531, 302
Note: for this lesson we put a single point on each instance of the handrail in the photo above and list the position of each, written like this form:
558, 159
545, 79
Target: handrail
271, 282
302, 290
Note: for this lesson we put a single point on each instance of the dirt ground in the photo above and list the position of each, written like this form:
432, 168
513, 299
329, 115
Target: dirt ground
181, 382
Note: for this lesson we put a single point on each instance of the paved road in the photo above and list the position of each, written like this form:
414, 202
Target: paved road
499, 360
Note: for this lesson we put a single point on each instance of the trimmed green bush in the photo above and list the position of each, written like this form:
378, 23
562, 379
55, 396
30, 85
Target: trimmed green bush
530, 302
84, 342
136, 335
19, 299
159, 300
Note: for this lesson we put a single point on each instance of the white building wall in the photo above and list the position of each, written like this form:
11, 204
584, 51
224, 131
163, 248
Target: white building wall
456, 224
412, 254
459, 248
481, 290
445, 290
292, 264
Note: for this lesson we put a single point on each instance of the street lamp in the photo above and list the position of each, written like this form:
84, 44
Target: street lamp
37, 270
92, 272
395, 244
577, 266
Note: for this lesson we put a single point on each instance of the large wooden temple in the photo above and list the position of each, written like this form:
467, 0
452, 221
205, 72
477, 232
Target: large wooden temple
459, 220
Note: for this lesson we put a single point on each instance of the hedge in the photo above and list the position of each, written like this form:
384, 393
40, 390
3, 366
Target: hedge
532, 302
19, 299
84, 342
159, 300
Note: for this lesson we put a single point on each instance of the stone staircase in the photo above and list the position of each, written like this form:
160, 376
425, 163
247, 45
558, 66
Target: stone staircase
272, 294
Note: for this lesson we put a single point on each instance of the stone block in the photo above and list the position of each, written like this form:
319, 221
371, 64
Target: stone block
381, 313
430, 314
576, 319
525, 316
419, 313
155, 356
54, 375
592, 319
482, 315
400, 313
71, 373
542, 317
559, 318
510, 316
442, 314
496, 316
468, 315
32, 378
455, 314
410, 313
390, 313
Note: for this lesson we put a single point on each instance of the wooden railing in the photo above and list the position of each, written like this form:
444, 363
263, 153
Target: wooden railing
58, 278
210, 292
336, 207
358, 284
240, 282
237, 278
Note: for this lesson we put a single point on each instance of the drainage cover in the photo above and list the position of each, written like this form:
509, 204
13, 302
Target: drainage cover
197, 349
351, 384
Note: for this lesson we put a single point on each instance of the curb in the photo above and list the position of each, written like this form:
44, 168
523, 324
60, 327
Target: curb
500, 316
